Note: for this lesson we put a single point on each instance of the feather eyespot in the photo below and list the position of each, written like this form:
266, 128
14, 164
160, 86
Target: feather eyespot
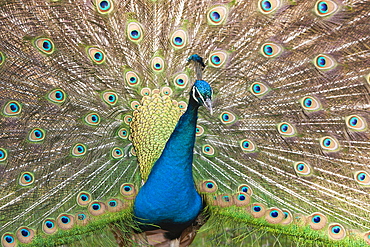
241, 199
36, 135
286, 129
123, 133
166, 91
217, 59
145, 92
2, 58
208, 186
25, 235
44, 45
49, 226
257, 210
325, 8
81, 216
114, 205
366, 237
199, 131
97, 208
157, 64
288, 217
134, 32
135, 105
79, 149
310, 103
302, 168
104, 6
317, 221
96, 55
133, 151
3, 155
208, 150
57, 96
181, 80
217, 15
8, 240
324, 62
246, 189
227, 117
117, 153
128, 190
83, 198
26, 179
183, 105
178, 39
132, 78
329, 144
127, 119
92, 119
362, 177
110, 98
268, 6
259, 89
271, 50
356, 123
65, 221
247, 145
274, 215
12, 108
336, 231
224, 200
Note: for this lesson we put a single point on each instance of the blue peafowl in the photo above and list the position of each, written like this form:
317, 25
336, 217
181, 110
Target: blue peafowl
177, 123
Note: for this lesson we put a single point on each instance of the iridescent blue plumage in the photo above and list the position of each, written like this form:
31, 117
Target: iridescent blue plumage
169, 198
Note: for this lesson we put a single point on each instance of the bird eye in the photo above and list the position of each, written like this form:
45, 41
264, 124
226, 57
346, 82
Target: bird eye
196, 94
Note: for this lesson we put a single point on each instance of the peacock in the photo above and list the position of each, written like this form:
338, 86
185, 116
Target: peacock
184, 123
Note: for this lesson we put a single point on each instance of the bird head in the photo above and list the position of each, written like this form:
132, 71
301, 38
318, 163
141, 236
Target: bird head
202, 92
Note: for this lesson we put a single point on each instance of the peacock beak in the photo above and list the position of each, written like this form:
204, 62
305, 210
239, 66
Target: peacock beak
208, 105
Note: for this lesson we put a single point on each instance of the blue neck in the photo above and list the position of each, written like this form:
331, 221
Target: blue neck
169, 194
